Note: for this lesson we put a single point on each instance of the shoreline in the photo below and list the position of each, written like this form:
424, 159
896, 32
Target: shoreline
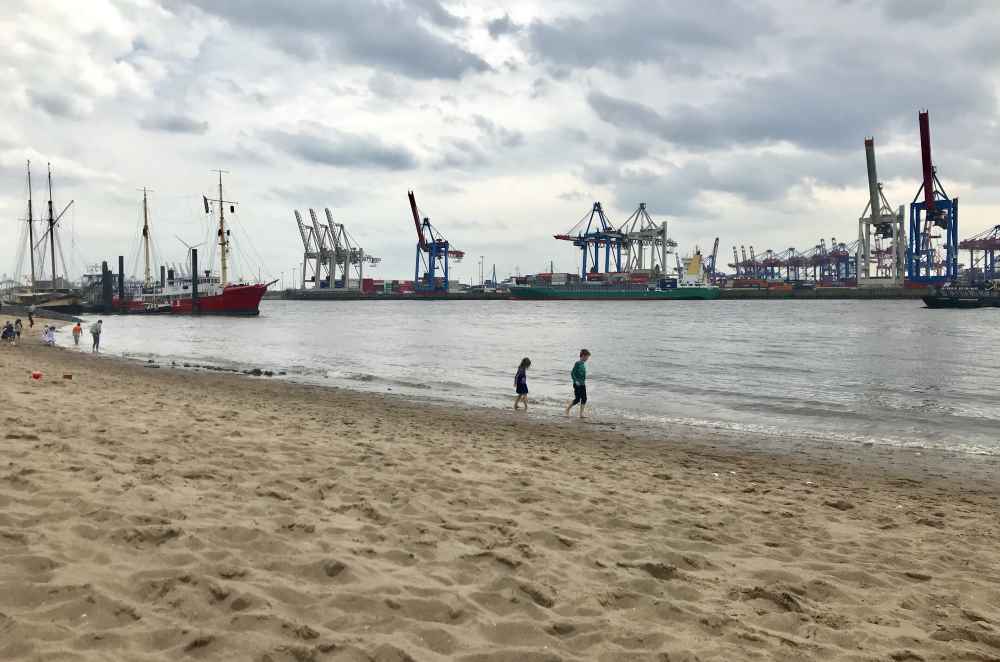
985, 466
154, 513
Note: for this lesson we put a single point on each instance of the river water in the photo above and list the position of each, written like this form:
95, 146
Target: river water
855, 372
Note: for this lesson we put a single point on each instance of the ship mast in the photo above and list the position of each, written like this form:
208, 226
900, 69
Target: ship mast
52, 230
31, 230
145, 239
223, 233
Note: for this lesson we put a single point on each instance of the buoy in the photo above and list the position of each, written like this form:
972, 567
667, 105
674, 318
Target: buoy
36, 375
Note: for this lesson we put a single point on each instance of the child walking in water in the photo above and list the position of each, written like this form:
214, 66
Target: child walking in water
579, 377
521, 384
77, 332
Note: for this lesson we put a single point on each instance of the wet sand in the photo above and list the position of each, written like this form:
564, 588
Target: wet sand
158, 514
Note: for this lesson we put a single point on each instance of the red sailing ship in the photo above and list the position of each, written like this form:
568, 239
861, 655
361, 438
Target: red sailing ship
202, 294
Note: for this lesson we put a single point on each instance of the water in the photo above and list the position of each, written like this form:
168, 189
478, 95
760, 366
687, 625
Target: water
882, 372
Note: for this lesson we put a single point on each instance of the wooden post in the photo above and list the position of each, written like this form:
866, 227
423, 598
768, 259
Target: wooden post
194, 280
121, 282
107, 288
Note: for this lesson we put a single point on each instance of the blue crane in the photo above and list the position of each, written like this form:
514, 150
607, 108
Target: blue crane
433, 252
591, 234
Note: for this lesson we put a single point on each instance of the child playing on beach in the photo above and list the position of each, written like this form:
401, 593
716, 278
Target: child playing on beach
579, 377
521, 384
49, 336
77, 332
18, 327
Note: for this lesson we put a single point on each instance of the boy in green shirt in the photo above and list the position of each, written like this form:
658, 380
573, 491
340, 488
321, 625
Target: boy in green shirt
579, 377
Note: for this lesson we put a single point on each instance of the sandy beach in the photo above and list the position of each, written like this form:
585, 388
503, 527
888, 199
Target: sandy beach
148, 513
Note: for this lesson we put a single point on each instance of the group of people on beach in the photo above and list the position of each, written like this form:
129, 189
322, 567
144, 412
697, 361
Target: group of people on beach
12, 331
578, 375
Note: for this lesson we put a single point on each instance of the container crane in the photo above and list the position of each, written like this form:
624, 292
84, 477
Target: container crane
310, 254
987, 243
935, 212
324, 254
433, 253
881, 234
592, 233
710, 267
346, 256
645, 244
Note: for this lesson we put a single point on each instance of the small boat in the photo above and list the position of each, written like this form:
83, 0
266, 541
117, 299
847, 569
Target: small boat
964, 297
195, 293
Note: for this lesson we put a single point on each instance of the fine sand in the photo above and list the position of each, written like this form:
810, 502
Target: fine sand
156, 514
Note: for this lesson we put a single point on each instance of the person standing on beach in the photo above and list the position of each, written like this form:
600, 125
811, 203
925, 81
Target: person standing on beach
579, 377
77, 332
95, 332
31, 316
18, 327
521, 384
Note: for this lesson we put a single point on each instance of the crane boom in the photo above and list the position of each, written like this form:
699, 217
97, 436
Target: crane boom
303, 231
925, 158
416, 221
873, 195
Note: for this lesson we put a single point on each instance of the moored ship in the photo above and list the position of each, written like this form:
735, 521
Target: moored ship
691, 286
197, 293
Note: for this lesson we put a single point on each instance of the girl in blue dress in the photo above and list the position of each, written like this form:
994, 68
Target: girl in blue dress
521, 384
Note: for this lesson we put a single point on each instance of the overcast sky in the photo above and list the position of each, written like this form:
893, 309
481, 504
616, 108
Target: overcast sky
744, 120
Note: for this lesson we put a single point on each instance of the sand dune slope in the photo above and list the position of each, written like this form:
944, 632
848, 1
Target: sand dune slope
147, 514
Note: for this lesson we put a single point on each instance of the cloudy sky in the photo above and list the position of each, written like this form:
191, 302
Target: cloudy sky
743, 120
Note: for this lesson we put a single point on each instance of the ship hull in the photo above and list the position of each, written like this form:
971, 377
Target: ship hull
236, 300
613, 293
962, 299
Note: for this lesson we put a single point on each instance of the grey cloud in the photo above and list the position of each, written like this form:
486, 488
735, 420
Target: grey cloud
388, 86
539, 88
757, 177
921, 10
435, 12
466, 153
498, 27
630, 149
641, 31
370, 32
628, 114
498, 134
461, 154
813, 106
55, 104
327, 146
174, 123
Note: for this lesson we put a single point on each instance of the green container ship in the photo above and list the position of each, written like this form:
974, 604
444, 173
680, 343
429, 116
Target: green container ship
610, 291
690, 287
